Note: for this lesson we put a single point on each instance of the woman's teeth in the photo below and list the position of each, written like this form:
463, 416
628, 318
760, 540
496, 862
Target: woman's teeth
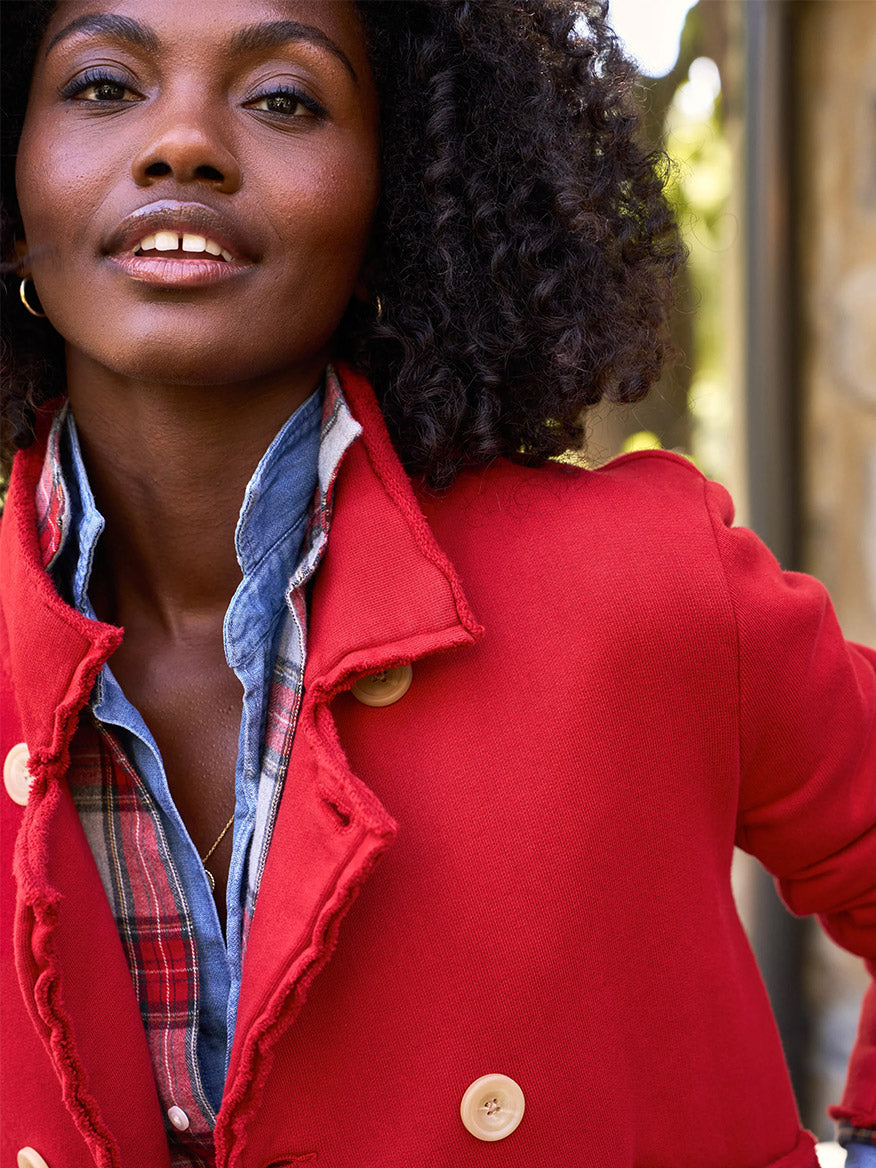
189, 242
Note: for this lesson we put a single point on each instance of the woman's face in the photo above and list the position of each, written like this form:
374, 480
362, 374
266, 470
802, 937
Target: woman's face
160, 132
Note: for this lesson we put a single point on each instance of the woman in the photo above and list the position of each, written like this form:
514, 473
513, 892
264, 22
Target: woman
546, 700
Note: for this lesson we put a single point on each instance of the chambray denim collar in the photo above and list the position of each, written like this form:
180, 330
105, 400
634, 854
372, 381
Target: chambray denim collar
273, 513
270, 530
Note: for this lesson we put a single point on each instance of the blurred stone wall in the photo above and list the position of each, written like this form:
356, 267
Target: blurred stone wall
834, 189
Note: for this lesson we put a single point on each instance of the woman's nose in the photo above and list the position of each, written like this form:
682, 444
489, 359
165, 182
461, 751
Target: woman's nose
189, 151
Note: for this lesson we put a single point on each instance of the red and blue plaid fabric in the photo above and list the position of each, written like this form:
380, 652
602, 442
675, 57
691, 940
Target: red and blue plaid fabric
123, 824
152, 915
847, 1134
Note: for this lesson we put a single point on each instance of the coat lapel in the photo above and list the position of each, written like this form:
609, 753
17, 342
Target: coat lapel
385, 595
55, 653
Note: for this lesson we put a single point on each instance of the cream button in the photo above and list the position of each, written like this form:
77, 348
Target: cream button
28, 1158
492, 1107
178, 1118
17, 780
382, 689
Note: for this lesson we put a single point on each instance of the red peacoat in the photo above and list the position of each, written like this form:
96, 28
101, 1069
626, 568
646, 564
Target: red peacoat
519, 868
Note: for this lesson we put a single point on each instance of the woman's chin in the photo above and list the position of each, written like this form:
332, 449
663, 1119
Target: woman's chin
166, 361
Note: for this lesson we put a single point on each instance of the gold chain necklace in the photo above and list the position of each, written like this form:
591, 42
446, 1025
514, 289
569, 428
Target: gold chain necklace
210, 878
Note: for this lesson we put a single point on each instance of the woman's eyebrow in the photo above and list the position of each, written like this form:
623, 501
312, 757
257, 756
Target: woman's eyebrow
252, 38
141, 36
272, 34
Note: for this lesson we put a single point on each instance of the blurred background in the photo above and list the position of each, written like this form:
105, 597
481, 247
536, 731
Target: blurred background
768, 110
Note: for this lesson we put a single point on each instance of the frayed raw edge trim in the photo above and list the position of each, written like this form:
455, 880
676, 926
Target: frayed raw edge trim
852, 1117
67, 715
320, 731
43, 902
389, 470
81, 1105
459, 639
263, 1040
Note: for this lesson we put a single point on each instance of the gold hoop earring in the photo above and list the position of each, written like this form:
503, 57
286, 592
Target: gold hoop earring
22, 292
378, 307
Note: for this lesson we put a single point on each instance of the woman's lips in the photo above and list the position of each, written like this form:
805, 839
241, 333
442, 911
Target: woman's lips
175, 244
177, 270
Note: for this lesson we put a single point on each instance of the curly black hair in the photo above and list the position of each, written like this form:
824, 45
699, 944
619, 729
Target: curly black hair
523, 249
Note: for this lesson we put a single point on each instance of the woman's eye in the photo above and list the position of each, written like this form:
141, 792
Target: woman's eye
92, 88
286, 103
105, 91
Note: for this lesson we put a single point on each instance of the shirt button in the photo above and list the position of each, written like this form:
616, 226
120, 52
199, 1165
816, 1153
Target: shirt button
492, 1107
382, 689
17, 779
28, 1158
178, 1118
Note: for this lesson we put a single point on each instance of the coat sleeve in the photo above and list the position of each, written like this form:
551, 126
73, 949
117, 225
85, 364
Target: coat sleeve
807, 742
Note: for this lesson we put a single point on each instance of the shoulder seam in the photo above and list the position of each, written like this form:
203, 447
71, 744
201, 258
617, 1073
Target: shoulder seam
663, 455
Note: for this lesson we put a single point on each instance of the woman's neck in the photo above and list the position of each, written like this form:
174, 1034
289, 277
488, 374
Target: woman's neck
169, 465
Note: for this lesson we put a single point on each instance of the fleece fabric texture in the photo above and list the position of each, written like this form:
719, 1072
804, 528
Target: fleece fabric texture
521, 867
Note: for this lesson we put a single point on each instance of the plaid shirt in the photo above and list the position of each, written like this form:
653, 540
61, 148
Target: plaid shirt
124, 828
847, 1134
